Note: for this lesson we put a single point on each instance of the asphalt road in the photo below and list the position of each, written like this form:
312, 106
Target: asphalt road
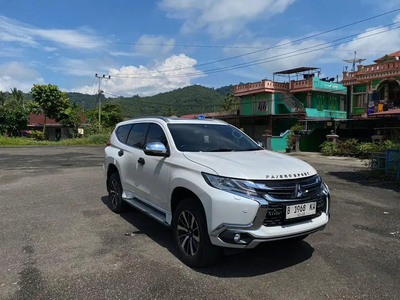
59, 240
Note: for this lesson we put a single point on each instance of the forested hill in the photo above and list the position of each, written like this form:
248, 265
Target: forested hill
187, 100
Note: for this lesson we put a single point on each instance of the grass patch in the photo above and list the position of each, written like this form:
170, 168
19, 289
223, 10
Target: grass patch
96, 139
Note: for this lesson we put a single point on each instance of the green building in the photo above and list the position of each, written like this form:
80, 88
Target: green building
275, 105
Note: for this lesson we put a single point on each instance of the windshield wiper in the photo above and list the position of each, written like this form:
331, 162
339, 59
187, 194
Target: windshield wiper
251, 149
222, 150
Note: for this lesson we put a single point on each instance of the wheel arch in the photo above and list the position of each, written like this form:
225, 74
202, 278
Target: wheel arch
111, 169
181, 193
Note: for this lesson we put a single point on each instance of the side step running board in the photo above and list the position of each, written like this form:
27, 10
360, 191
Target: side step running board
149, 210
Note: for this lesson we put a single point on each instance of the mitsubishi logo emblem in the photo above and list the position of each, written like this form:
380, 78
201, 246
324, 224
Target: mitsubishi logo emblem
299, 192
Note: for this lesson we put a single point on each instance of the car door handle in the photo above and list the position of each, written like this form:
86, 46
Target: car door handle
141, 161
120, 152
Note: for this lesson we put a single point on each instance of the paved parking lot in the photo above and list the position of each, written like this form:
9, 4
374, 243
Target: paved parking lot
59, 240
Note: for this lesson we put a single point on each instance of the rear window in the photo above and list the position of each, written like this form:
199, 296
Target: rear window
122, 132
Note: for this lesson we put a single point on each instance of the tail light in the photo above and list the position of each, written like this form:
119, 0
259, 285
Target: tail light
108, 143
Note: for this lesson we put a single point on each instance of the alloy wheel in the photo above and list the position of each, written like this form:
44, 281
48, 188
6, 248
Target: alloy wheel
114, 192
188, 233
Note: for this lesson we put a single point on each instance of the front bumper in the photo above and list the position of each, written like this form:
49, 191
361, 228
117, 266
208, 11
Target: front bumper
254, 233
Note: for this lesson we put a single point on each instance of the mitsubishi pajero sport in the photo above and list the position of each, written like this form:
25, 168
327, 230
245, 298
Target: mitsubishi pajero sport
213, 185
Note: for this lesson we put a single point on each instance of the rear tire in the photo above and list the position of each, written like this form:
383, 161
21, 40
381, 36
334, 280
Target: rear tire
191, 235
116, 203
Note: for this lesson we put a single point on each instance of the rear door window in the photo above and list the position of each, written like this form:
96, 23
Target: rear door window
137, 135
122, 132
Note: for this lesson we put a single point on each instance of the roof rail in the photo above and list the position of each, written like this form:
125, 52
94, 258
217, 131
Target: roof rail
165, 119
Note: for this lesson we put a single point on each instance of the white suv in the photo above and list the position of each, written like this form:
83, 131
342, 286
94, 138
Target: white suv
213, 185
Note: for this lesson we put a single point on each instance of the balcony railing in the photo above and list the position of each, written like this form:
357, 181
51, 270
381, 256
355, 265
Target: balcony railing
370, 70
335, 114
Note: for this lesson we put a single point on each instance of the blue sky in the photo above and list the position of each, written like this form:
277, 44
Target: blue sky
147, 46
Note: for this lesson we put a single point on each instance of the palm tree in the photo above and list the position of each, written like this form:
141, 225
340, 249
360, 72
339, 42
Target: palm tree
18, 96
2, 98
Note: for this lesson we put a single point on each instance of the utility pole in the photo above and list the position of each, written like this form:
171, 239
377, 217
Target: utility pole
101, 78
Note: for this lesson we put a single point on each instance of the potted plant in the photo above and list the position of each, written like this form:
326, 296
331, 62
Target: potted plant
291, 140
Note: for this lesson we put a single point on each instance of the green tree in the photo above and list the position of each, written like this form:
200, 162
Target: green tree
51, 101
111, 114
230, 103
72, 117
3, 98
16, 97
13, 119
171, 112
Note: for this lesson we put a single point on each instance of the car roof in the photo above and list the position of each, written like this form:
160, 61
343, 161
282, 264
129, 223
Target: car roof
173, 120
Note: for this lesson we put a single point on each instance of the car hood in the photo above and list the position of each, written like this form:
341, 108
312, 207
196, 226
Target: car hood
254, 165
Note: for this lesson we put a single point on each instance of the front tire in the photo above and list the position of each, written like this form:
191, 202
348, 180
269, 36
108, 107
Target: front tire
191, 235
116, 203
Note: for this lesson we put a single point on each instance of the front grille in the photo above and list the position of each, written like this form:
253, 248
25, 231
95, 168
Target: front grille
285, 189
275, 215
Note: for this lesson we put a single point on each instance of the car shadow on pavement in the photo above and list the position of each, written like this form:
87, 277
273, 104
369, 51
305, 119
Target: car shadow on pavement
265, 258
361, 179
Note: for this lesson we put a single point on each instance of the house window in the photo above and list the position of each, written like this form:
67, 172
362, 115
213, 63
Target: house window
262, 105
361, 100
377, 68
320, 103
372, 68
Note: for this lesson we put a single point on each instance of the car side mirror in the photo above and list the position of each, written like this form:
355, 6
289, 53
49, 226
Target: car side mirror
156, 149
260, 144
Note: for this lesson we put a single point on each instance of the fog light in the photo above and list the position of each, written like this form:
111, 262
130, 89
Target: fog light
236, 237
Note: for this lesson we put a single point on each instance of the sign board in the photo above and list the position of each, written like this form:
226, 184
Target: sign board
317, 83
201, 117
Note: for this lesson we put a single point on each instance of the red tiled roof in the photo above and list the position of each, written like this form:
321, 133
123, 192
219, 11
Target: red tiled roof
394, 54
397, 53
39, 120
189, 117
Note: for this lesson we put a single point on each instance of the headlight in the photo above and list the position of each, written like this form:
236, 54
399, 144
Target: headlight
324, 189
229, 184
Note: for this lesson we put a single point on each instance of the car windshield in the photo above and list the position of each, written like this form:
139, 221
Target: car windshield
210, 138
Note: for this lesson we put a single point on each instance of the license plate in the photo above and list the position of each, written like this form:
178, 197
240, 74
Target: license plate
301, 210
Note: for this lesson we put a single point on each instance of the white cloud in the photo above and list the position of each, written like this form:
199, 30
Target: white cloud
120, 53
224, 17
15, 31
81, 67
149, 44
376, 45
284, 56
49, 49
131, 80
15, 74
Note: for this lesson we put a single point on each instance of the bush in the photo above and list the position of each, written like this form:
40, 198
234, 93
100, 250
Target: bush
37, 135
352, 148
98, 139
329, 148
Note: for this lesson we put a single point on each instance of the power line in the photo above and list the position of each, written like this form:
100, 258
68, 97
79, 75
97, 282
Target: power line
154, 44
267, 59
289, 43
